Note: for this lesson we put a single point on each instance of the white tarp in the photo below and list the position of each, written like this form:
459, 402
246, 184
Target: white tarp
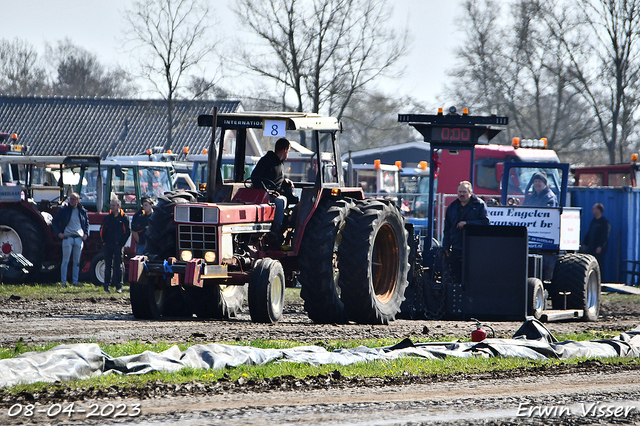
81, 361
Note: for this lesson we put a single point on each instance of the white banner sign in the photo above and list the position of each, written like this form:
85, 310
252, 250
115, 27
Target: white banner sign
10, 193
275, 128
543, 224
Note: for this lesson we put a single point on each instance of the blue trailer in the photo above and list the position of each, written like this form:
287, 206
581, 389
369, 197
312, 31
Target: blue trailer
622, 208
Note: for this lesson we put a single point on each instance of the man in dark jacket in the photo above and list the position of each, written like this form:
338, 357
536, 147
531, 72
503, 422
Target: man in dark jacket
140, 223
597, 238
71, 225
467, 209
114, 233
269, 175
542, 195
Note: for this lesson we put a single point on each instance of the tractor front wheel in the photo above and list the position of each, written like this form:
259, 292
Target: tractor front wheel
266, 291
147, 298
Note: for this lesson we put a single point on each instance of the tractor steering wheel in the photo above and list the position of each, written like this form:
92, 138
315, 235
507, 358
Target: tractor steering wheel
267, 183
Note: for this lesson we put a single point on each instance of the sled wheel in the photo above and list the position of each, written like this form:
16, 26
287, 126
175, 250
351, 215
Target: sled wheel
578, 274
536, 302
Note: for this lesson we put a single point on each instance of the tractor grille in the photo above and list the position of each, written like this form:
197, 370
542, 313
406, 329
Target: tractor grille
197, 238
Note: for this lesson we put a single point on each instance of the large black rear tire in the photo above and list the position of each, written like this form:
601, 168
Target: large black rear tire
177, 302
266, 291
20, 234
161, 233
319, 262
579, 274
374, 262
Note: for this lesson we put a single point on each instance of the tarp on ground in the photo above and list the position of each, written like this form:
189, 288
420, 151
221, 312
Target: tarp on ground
82, 361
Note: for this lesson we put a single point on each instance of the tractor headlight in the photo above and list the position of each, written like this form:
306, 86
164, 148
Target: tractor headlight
186, 255
210, 256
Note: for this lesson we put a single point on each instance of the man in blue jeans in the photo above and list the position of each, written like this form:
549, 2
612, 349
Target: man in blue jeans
114, 233
71, 224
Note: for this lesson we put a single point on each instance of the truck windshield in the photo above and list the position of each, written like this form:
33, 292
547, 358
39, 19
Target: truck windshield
154, 181
521, 183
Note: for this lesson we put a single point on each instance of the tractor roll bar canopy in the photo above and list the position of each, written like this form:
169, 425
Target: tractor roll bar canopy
46, 160
256, 119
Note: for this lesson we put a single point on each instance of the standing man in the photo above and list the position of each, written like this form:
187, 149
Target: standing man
597, 238
269, 175
140, 223
542, 195
114, 233
465, 210
71, 224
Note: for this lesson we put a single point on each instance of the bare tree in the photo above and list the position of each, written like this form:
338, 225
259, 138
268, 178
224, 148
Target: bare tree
172, 37
79, 73
320, 52
21, 72
371, 120
521, 72
479, 80
608, 83
203, 88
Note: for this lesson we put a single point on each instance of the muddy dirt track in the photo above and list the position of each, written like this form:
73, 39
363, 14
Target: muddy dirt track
496, 398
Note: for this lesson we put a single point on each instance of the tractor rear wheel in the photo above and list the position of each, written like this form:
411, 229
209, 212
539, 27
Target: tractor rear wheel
19, 234
319, 262
161, 245
578, 274
97, 270
373, 262
266, 291
147, 298
161, 234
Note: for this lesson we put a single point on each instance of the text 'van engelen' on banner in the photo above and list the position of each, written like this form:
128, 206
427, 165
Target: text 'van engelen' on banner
543, 225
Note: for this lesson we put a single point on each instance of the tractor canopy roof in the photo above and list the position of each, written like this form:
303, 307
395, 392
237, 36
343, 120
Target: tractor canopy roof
257, 119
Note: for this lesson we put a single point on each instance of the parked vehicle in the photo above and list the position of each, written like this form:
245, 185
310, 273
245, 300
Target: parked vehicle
513, 266
349, 253
615, 175
35, 187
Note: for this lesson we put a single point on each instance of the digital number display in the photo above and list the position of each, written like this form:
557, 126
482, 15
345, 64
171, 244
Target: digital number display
452, 134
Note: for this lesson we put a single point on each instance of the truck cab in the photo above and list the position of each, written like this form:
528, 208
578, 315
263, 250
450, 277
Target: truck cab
614, 175
488, 165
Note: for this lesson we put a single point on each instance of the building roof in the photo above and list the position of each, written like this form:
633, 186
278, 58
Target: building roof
410, 153
108, 127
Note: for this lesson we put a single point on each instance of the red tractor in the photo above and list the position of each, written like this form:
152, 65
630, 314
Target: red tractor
33, 188
348, 253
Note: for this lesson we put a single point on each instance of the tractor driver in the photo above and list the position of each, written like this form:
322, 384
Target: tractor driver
269, 175
542, 195
465, 210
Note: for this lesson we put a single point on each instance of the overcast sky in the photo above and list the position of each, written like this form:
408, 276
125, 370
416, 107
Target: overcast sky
97, 25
